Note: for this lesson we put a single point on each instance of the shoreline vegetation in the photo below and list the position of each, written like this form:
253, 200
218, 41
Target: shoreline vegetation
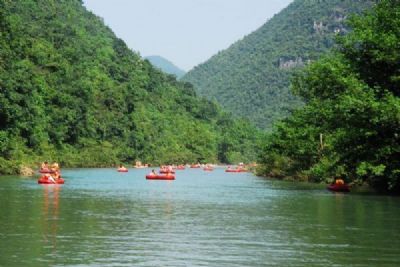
89, 101
72, 92
32, 169
350, 124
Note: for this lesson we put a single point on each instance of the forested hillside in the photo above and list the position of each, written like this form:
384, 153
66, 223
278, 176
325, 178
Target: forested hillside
350, 125
166, 66
251, 78
71, 91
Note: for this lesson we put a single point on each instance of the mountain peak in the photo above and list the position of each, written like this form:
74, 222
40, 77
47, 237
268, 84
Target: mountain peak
165, 65
252, 77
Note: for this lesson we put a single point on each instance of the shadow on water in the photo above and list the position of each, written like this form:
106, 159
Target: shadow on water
291, 185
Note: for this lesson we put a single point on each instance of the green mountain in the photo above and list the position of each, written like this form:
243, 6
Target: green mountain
251, 78
350, 124
71, 91
166, 66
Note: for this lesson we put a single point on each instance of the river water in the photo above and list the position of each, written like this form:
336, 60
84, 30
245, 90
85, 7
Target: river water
100, 217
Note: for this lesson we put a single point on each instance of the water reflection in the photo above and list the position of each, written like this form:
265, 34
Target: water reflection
50, 216
101, 218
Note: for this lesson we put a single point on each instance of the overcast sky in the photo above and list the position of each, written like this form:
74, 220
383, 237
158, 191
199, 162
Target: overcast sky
186, 32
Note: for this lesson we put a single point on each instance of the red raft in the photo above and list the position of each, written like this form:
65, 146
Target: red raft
45, 171
235, 170
180, 167
122, 170
46, 180
160, 177
166, 171
339, 188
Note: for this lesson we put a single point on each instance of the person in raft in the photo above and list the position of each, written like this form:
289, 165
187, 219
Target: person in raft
56, 175
338, 181
44, 166
50, 178
54, 167
121, 167
153, 172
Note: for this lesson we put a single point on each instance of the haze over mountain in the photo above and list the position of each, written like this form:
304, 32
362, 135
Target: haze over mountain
166, 66
251, 78
185, 32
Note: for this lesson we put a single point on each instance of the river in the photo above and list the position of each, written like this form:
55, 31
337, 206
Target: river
100, 217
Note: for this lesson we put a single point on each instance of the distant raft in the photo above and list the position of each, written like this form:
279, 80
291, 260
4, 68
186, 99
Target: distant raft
45, 180
122, 170
339, 188
235, 170
160, 177
45, 171
166, 171
180, 167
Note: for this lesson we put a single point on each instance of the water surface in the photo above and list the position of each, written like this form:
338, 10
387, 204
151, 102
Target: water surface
104, 218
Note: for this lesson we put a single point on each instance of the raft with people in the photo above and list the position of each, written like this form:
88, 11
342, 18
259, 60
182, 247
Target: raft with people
47, 180
122, 168
51, 174
339, 186
163, 171
45, 171
167, 176
45, 168
235, 170
180, 167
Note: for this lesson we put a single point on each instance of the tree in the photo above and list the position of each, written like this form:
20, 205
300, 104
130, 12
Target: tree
353, 101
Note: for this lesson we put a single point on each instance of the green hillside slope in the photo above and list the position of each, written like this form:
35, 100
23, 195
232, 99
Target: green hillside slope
251, 78
73, 92
350, 124
166, 66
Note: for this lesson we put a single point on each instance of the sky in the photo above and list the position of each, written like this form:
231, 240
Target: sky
186, 32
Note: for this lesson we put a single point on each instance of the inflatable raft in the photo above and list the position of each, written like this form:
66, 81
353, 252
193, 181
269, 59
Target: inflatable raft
122, 170
160, 177
45, 171
235, 170
166, 171
46, 180
339, 188
180, 167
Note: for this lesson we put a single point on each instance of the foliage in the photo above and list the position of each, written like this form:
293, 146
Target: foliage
251, 78
71, 91
350, 125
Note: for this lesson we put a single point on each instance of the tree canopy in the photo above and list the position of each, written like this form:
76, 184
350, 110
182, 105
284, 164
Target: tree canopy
251, 78
350, 125
71, 91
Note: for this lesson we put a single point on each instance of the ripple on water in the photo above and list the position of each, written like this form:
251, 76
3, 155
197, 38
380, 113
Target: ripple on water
104, 218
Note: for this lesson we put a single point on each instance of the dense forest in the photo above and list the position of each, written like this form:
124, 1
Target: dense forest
71, 91
350, 125
166, 66
251, 78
